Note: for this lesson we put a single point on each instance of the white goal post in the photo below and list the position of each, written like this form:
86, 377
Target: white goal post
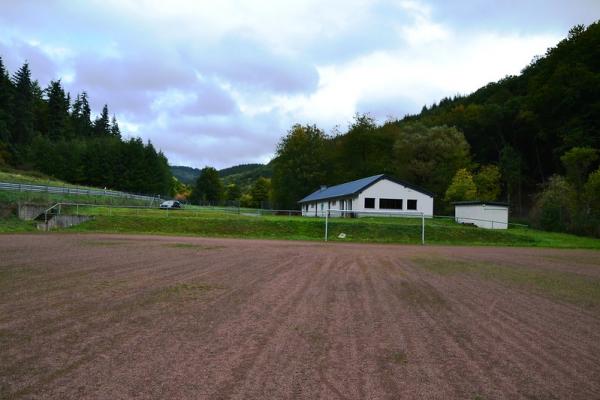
337, 213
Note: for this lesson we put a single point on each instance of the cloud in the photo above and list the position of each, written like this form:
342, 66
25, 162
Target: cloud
219, 83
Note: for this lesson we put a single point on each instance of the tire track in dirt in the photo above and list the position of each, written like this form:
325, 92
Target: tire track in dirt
286, 320
459, 373
515, 343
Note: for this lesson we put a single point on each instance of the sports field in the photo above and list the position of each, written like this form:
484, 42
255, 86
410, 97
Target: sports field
114, 316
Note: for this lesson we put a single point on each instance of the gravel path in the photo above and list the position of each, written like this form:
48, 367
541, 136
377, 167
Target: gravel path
122, 316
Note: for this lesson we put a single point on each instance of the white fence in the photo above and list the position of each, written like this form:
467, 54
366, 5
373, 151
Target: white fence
23, 187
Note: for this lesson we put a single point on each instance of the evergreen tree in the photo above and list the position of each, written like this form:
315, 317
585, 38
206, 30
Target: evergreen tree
260, 192
81, 116
40, 110
58, 112
6, 120
102, 123
208, 186
23, 123
114, 128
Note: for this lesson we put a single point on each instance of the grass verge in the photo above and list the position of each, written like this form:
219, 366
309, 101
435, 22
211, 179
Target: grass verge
375, 230
15, 225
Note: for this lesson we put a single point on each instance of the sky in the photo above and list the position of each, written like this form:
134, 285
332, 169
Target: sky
218, 83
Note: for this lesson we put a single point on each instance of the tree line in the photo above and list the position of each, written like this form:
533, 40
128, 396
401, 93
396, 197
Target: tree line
45, 130
518, 140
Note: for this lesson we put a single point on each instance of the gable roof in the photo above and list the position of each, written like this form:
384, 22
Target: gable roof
355, 187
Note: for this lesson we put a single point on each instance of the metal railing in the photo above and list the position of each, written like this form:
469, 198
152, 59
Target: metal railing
68, 190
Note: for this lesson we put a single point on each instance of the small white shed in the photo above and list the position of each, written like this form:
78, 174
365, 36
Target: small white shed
484, 214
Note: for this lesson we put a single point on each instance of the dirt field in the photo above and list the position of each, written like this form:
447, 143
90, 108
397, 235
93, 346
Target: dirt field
106, 316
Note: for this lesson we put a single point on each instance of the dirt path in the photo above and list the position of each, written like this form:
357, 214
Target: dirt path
109, 316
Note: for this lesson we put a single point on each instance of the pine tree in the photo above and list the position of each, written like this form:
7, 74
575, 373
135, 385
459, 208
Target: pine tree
6, 91
102, 123
22, 129
81, 116
58, 111
114, 128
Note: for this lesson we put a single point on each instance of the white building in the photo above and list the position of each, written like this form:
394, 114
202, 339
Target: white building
489, 215
377, 194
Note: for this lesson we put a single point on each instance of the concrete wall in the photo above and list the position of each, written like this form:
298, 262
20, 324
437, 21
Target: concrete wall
63, 221
482, 215
28, 212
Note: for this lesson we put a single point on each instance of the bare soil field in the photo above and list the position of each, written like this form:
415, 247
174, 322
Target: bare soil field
114, 316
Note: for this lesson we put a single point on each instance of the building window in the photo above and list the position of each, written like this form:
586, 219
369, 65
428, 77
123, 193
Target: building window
369, 202
333, 203
411, 204
390, 204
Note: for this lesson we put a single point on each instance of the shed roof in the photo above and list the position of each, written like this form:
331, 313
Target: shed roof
355, 187
479, 202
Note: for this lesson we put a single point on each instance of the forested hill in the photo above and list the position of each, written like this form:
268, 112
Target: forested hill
501, 142
242, 175
44, 129
533, 118
187, 175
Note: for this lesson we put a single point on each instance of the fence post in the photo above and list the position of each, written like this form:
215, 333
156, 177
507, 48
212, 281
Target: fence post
422, 228
326, 223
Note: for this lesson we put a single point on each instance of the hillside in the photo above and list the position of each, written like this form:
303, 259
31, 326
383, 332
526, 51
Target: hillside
552, 106
185, 174
51, 131
522, 125
242, 175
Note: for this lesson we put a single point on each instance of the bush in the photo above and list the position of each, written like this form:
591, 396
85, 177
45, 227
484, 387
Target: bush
553, 208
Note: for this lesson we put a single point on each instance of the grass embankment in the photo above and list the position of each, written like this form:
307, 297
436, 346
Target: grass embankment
36, 178
379, 230
16, 225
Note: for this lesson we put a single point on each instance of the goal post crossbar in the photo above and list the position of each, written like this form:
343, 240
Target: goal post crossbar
341, 213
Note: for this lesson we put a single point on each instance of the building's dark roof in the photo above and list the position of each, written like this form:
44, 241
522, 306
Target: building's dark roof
355, 187
479, 202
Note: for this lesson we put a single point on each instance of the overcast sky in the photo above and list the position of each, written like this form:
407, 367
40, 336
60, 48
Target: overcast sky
219, 82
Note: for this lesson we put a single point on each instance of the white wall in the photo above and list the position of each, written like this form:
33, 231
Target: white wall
482, 215
319, 208
385, 189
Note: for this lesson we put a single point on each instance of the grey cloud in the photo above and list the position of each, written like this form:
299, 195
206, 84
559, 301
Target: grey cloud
133, 72
249, 64
524, 16
394, 107
207, 142
42, 67
210, 100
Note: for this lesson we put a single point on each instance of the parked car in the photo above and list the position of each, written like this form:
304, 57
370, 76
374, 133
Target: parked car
170, 204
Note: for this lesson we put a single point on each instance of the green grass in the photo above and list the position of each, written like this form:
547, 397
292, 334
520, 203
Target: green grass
566, 286
31, 177
196, 222
399, 357
15, 225
36, 178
